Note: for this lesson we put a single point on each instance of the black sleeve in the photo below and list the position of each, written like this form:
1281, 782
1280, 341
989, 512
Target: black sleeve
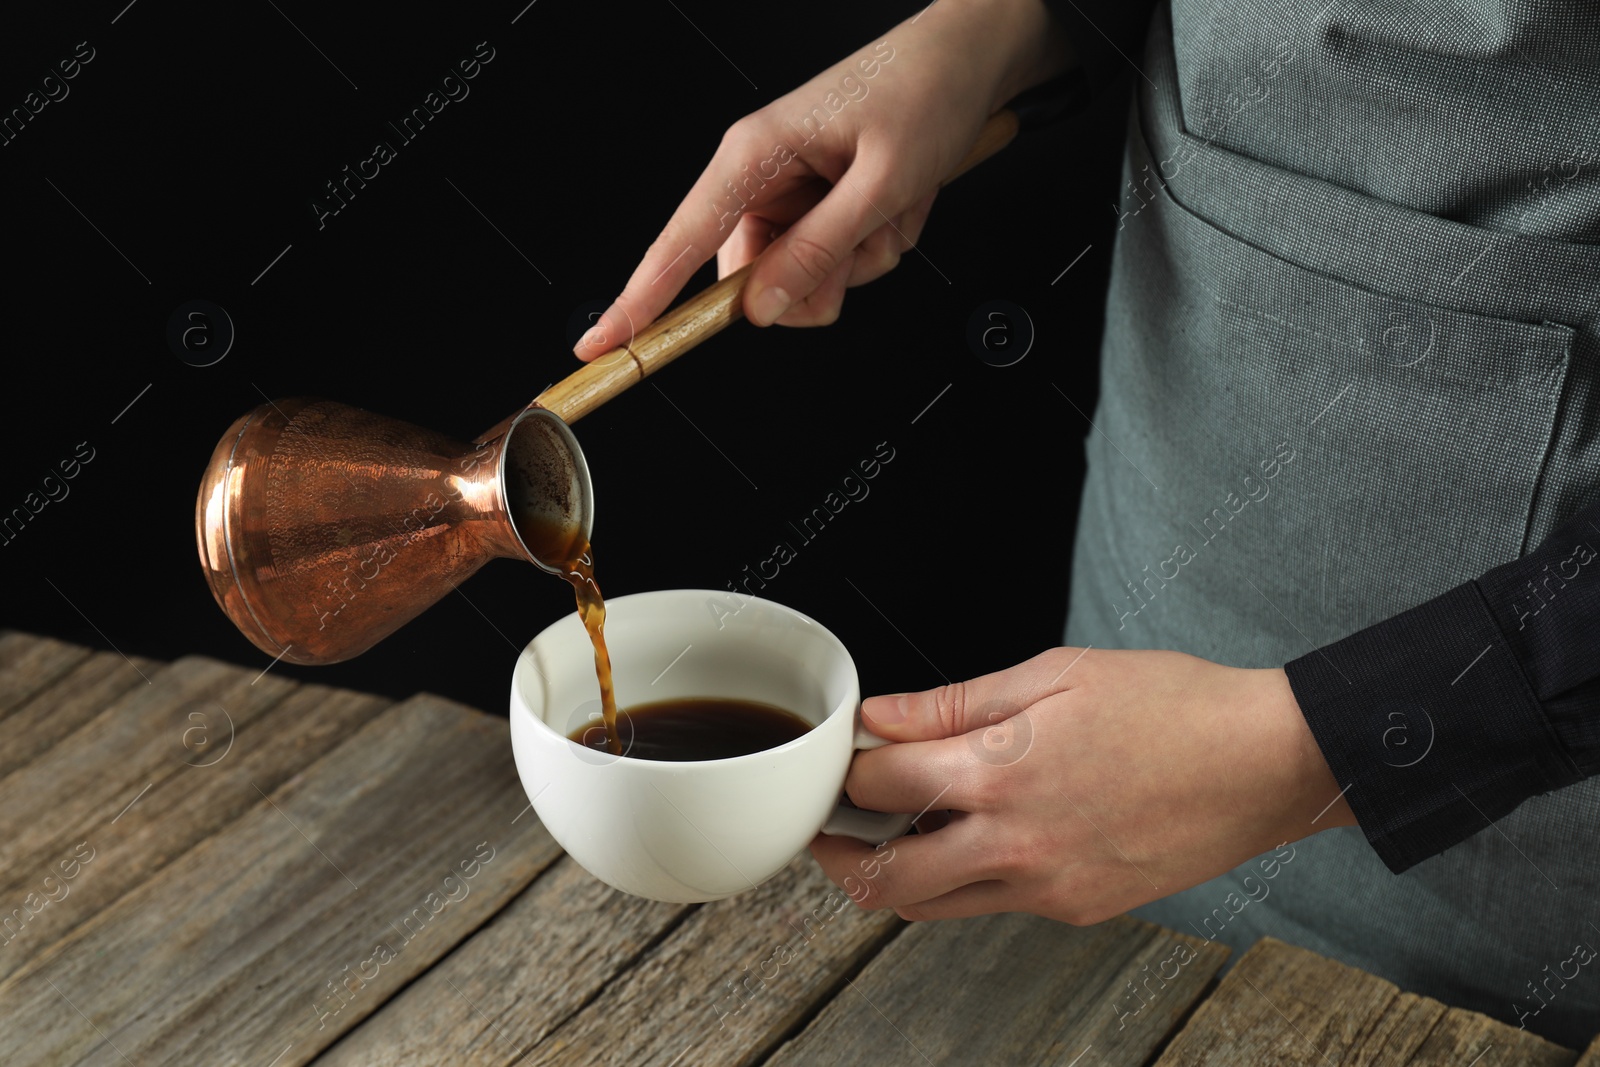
1107, 38
1447, 716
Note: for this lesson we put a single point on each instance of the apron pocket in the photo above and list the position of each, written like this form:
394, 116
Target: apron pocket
1288, 455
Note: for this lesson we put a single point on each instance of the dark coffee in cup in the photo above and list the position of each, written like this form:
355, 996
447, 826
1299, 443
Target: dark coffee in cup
695, 728
685, 730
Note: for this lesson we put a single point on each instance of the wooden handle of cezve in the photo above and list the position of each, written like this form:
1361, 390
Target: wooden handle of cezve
691, 322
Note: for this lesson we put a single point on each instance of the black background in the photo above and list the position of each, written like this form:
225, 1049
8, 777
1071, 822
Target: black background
194, 143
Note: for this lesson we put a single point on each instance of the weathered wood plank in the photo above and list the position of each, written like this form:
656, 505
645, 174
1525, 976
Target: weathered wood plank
79, 695
225, 775
515, 980
81, 786
355, 875
1464, 1036
1013, 989
788, 942
30, 664
1286, 1005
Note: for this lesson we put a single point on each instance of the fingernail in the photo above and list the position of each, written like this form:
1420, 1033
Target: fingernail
591, 336
887, 710
767, 305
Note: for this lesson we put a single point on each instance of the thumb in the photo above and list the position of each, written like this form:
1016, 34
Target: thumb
961, 707
809, 253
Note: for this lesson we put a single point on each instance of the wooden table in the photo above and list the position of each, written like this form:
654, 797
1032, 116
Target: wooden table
202, 864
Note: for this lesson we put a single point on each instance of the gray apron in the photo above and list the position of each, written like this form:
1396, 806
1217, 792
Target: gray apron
1340, 407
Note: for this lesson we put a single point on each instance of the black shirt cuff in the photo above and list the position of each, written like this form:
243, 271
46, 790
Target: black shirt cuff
1429, 722
1547, 605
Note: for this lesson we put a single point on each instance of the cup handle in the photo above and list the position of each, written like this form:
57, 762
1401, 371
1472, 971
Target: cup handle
873, 827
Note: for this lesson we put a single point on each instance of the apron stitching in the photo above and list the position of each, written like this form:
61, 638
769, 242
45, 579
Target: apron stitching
1563, 394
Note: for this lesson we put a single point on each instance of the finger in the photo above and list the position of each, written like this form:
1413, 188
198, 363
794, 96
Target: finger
913, 219
954, 709
881, 251
749, 240
704, 219
878, 255
963, 902
758, 229
810, 252
914, 777
822, 306
903, 871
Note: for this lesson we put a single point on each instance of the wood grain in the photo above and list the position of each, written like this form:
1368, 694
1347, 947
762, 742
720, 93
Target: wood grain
677, 1003
223, 778
30, 664
515, 980
589, 386
1285, 1005
1013, 989
80, 787
235, 951
73, 699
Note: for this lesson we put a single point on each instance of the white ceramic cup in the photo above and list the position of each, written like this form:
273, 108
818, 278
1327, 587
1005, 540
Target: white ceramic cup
692, 831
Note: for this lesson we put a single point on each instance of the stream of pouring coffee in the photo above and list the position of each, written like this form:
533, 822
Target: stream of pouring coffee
560, 546
592, 610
